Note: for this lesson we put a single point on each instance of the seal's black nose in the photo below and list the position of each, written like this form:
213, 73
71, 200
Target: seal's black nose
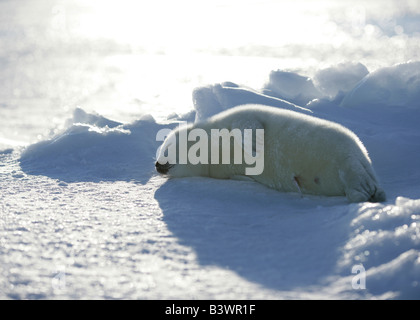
162, 168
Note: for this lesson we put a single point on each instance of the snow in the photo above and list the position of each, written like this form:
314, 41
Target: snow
84, 215
340, 78
212, 99
96, 148
393, 86
299, 246
291, 87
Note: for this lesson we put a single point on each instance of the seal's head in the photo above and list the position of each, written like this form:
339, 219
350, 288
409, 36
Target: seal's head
172, 159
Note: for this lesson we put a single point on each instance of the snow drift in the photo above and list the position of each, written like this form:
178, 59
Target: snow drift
396, 86
96, 148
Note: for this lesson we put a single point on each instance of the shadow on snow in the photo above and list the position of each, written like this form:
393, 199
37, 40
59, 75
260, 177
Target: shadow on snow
279, 240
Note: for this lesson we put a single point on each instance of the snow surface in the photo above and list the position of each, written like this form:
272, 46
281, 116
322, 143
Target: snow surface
84, 215
202, 238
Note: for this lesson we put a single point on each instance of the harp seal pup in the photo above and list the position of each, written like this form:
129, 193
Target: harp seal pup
301, 153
